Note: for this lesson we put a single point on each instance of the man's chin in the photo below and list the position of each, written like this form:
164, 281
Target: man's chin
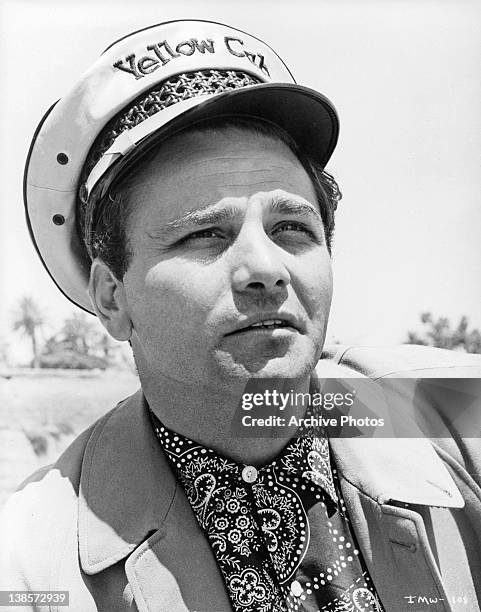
290, 365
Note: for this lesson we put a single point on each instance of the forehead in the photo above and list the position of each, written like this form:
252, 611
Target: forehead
195, 169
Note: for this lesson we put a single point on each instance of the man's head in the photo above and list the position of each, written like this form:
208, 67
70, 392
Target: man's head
125, 150
222, 226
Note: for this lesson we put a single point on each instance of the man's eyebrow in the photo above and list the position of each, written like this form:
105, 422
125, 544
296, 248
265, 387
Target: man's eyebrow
200, 216
290, 206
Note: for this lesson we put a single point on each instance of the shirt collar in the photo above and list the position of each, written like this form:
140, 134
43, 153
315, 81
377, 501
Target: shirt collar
305, 460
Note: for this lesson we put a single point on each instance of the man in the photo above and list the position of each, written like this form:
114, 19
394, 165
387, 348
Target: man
179, 193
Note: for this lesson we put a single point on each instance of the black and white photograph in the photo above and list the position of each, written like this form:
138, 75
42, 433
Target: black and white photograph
240, 326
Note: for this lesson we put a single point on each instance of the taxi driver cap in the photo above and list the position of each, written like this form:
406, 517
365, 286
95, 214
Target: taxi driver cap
145, 86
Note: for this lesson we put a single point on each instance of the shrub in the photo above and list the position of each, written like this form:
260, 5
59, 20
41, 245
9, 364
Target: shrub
39, 442
71, 360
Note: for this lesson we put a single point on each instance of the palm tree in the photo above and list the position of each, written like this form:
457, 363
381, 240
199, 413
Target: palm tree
29, 321
79, 332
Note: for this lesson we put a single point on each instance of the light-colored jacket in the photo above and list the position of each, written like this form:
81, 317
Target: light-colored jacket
110, 524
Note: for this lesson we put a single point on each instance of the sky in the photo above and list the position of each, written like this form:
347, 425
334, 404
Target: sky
404, 77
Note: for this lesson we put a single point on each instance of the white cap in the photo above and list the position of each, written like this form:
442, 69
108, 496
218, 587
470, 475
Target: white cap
201, 69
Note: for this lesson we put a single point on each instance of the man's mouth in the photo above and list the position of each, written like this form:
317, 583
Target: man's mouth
270, 324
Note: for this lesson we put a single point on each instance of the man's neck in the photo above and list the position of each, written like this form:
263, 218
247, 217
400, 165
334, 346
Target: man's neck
214, 417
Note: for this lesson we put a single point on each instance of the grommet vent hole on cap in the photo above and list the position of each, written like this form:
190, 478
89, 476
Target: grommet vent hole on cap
62, 159
58, 219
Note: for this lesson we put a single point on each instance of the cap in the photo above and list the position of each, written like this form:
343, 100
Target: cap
142, 88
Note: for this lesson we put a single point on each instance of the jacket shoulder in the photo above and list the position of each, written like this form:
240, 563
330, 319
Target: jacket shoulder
429, 389
405, 360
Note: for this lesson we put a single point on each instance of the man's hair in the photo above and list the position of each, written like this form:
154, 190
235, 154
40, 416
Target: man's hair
109, 240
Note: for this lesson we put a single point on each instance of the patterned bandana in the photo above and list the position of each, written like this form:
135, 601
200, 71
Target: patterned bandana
279, 533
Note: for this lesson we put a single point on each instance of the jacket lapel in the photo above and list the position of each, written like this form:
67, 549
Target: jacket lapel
130, 504
405, 470
178, 558
397, 553
380, 477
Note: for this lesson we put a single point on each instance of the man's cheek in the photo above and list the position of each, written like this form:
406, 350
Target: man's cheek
180, 282
314, 287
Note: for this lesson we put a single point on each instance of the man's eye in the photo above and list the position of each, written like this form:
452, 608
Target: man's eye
293, 226
205, 233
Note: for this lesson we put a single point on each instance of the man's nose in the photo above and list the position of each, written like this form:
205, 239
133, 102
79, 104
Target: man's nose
257, 263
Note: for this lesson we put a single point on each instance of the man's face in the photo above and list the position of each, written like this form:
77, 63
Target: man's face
230, 275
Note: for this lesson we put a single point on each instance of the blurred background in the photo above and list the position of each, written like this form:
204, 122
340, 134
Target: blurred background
404, 76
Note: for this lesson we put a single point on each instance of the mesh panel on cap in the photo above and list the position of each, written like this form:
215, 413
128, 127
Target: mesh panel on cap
180, 87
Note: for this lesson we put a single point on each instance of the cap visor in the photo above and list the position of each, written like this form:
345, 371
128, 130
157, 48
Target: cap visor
306, 115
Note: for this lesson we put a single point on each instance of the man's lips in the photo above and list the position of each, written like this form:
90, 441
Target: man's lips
266, 322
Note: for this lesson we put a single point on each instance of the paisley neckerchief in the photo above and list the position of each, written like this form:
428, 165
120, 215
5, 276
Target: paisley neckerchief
259, 523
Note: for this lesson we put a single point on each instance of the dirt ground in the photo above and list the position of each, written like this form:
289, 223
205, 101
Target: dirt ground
42, 412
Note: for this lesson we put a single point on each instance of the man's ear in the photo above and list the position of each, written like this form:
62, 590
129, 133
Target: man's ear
108, 298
